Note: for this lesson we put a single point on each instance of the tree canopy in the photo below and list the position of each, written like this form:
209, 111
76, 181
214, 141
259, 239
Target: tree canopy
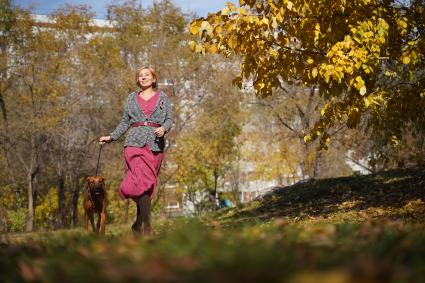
366, 57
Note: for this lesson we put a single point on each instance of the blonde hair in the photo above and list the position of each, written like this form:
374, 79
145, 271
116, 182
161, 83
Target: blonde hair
153, 72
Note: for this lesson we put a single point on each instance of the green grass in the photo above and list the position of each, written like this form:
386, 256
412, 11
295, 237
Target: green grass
355, 229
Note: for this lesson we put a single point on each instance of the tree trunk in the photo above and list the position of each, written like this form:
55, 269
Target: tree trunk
303, 164
61, 200
5, 129
32, 171
213, 200
30, 217
31, 199
213, 193
75, 189
316, 164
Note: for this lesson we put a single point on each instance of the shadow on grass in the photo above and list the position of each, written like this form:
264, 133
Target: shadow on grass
385, 194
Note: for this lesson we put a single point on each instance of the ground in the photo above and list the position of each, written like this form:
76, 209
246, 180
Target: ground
353, 229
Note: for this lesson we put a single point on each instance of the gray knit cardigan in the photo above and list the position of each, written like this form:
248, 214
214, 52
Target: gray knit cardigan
139, 136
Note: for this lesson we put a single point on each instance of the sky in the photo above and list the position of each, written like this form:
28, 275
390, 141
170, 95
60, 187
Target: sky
200, 7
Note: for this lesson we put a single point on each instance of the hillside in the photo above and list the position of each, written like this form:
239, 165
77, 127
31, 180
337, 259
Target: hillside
395, 194
342, 230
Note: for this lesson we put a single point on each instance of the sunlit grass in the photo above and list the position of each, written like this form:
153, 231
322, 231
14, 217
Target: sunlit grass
332, 230
193, 252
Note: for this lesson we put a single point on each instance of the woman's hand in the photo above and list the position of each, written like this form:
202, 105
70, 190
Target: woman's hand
104, 139
160, 131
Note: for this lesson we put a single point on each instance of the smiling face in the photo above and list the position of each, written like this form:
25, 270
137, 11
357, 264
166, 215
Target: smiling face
146, 78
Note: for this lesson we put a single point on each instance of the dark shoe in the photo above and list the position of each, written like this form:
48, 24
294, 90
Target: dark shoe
137, 230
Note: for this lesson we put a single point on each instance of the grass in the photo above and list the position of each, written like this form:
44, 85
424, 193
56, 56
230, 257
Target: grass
355, 229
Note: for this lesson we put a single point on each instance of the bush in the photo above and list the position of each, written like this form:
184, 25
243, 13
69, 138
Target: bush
17, 220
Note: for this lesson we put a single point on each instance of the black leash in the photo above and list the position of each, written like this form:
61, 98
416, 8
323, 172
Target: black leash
98, 159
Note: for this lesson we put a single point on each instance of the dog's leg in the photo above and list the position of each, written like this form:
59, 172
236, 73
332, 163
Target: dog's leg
99, 218
86, 222
102, 223
91, 218
103, 217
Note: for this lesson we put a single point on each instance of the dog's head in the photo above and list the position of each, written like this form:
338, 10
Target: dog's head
96, 185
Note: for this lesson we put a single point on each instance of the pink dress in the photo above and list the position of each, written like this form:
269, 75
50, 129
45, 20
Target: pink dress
141, 163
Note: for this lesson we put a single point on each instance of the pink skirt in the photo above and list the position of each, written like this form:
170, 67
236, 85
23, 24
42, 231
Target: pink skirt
142, 168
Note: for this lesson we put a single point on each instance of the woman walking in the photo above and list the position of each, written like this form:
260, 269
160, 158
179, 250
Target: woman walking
148, 113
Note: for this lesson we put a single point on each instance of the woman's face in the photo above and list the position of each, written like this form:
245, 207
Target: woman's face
146, 79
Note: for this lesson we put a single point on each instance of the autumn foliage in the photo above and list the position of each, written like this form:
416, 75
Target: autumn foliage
366, 56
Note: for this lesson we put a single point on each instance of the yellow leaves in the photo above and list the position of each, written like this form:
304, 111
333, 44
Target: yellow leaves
259, 85
241, 11
346, 54
213, 49
324, 109
373, 99
367, 101
265, 21
218, 30
369, 23
402, 25
353, 117
231, 6
406, 60
289, 5
415, 207
359, 84
410, 55
307, 138
368, 34
197, 27
274, 23
194, 27
279, 16
225, 11
395, 140
232, 42
197, 48
274, 52
316, 33
205, 26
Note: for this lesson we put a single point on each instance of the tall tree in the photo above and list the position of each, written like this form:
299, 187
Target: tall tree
15, 25
43, 90
365, 57
205, 151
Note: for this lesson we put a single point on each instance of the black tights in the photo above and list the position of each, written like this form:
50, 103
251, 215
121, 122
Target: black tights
143, 213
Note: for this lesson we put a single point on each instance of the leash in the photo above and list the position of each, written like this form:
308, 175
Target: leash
98, 159
97, 170
98, 156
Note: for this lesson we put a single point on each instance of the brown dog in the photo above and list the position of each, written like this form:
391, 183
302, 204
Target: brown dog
95, 202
